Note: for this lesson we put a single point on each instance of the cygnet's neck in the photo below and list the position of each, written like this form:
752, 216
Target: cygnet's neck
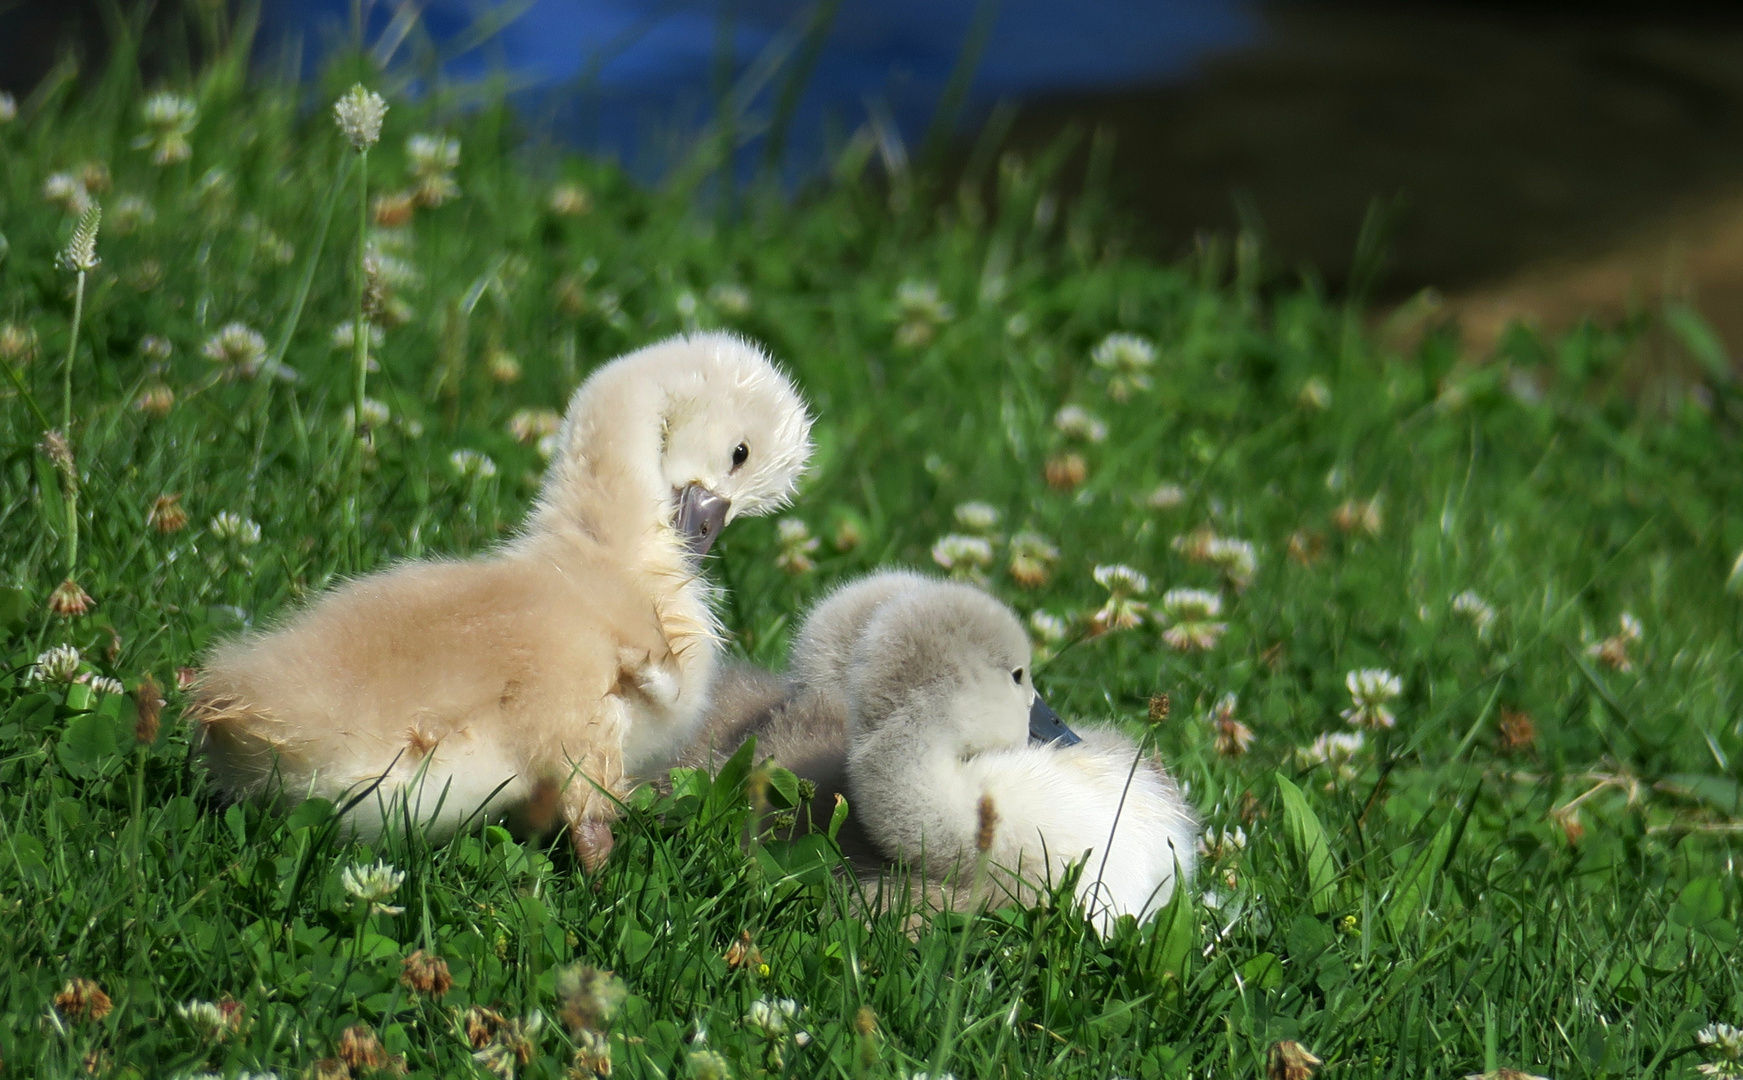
605, 486
604, 495
916, 793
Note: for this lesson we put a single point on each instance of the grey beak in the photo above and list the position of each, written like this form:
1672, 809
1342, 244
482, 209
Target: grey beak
700, 517
1045, 727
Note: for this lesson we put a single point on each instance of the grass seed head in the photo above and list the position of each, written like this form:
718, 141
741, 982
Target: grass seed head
80, 254
359, 114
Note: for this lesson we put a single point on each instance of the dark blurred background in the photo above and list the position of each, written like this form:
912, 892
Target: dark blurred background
1524, 158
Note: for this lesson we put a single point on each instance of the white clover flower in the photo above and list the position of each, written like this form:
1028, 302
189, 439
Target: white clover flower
1613, 650
1370, 691
919, 300
345, 336
58, 664
103, 684
1354, 516
1222, 843
1121, 580
428, 154
772, 1019
962, 554
472, 463
977, 517
206, 1018
229, 525
1192, 614
1725, 1043
1336, 749
794, 538
529, 426
1075, 422
1123, 611
1476, 609
731, 299
359, 114
1191, 604
1048, 627
375, 414
239, 347
170, 119
1167, 497
8, 108
547, 446
920, 311
1232, 737
1128, 359
373, 885
68, 191
1032, 558
1237, 559
130, 212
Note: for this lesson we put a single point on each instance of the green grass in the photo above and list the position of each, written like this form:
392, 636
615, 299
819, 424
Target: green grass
1421, 914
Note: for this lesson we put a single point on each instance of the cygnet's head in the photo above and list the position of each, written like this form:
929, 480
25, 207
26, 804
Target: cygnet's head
952, 665
704, 427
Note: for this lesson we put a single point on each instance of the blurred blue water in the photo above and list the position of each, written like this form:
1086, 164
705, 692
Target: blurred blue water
632, 77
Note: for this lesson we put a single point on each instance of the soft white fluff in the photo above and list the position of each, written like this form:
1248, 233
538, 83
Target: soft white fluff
938, 690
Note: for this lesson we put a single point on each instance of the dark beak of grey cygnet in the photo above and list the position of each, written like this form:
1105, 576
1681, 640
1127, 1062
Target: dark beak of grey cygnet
1045, 727
701, 515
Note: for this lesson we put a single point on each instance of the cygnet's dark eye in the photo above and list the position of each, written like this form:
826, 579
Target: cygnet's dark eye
1017, 676
739, 454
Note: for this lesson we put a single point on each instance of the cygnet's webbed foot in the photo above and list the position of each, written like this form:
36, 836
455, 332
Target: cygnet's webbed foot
592, 840
1046, 728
